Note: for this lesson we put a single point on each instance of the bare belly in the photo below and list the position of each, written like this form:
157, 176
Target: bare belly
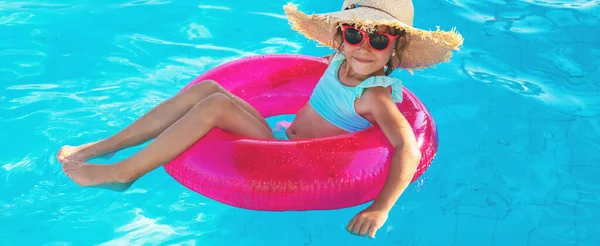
309, 124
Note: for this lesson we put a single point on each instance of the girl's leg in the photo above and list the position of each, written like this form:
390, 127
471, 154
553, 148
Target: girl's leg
217, 110
154, 122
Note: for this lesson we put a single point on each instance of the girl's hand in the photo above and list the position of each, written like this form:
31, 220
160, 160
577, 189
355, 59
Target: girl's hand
367, 221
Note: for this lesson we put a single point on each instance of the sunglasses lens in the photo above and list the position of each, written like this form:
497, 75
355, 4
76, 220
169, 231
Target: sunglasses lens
353, 36
379, 41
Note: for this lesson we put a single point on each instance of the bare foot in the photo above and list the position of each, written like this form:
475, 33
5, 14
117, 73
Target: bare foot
79, 153
102, 176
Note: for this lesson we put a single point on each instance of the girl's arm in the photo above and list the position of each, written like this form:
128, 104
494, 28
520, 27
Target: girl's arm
404, 162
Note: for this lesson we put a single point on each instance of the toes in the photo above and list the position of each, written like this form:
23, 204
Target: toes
62, 153
59, 154
69, 164
66, 167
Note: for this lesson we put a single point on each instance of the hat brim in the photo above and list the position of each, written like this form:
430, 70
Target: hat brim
424, 49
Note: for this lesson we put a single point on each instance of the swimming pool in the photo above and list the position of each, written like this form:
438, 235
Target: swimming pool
517, 109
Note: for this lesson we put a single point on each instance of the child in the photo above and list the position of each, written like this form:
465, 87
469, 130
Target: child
371, 37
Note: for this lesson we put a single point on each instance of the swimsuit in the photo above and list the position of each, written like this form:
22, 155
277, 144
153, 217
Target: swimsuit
334, 101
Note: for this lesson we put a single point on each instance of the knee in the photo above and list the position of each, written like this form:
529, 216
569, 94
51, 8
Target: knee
206, 87
218, 103
218, 98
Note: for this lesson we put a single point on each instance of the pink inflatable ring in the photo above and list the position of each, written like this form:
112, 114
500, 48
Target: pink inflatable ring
277, 175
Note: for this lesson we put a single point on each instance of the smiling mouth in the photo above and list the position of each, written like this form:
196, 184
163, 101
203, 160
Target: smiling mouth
361, 60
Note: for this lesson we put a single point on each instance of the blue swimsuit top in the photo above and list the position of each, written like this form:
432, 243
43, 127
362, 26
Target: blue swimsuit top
335, 102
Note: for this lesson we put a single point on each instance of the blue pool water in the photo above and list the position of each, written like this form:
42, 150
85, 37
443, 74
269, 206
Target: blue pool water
518, 112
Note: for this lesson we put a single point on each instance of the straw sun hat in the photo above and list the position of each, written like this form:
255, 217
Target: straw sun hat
424, 49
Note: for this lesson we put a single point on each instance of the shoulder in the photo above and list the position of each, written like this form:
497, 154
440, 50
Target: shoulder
376, 99
383, 85
378, 94
330, 58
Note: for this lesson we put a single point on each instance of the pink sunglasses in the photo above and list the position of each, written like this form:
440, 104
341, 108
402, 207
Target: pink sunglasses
378, 41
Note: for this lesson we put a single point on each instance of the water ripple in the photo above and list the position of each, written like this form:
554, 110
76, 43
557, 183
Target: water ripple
572, 4
20, 164
280, 45
196, 31
19, 63
13, 5
201, 6
528, 47
144, 2
16, 19
32, 87
278, 16
143, 230
136, 39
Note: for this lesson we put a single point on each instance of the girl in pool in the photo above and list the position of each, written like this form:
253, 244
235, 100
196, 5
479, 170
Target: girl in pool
371, 38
